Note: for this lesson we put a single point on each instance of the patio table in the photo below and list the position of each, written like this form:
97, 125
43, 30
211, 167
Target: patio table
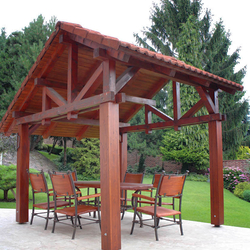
124, 185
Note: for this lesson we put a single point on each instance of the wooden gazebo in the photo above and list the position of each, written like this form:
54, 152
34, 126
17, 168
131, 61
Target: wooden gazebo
85, 84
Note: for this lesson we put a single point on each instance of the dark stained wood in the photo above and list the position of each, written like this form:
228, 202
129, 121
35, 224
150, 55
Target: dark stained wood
46, 105
43, 82
22, 182
194, 109
33, 128
159, 113
89, 84
171, 124
49, 130
75, 106
206, 99
176, 102
126, 76
216, 173
110, 176
55, 97
123, 155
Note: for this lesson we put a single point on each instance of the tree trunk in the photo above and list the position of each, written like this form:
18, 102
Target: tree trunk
5, 195
54, 144
33, 143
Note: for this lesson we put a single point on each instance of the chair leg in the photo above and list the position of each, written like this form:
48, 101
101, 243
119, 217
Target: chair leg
133, 223
54, 223
156, 223
32, 216
180, 221
47, 219
75, 225
79, 221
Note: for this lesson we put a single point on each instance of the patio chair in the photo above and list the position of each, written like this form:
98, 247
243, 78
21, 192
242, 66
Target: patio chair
39, 185
155, 183
170, 186
63, 185
130, 178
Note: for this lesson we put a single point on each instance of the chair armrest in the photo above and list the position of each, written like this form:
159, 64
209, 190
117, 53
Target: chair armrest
143, 197
88, 197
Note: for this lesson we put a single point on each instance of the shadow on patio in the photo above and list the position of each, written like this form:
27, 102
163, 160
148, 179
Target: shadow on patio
196, 236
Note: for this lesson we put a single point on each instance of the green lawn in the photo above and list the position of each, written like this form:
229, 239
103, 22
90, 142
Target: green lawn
51, 157
195, 206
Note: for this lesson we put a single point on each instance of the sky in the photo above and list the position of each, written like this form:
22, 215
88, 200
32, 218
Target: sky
120, 19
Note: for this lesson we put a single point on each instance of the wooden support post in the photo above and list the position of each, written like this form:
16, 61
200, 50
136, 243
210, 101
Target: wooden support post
123, 155
176, 103
216, 173
110, 176
22, 180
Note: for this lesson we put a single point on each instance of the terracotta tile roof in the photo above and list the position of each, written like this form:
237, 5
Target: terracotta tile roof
115, 44
152, 81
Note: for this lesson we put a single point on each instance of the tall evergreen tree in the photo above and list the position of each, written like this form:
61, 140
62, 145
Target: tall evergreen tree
178, 29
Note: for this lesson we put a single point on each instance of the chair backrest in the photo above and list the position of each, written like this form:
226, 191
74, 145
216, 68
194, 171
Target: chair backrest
156, 179
73, 173
171, 185
38, 182
133, 178
62, 184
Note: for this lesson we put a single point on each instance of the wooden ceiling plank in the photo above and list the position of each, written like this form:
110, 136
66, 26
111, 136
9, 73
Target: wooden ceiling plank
70, 107
126, 76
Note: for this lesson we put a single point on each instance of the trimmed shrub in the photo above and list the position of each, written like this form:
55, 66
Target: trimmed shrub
240, 188
56, 150
246, 195
197, 177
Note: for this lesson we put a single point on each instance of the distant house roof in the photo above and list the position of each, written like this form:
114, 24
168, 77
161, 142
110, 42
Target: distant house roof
139, 72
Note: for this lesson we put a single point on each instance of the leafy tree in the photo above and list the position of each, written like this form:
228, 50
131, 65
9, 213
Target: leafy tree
87, 158
18, 52
7, 179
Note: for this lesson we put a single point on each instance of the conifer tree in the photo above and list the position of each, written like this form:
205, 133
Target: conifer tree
179, 29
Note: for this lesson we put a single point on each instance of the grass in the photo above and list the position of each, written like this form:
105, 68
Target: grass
51, 157
195, 205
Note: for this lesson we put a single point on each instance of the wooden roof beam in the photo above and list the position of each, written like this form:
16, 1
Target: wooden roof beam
125, 77
171, 124
207, 100
49, 130
70, 107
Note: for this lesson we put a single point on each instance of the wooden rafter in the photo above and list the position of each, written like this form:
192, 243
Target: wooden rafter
71, 107
171, 124
208, 102
49, 130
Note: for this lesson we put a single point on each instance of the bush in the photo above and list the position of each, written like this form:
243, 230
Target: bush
7, 179
240, 188
246, 195
243, 153
233, 176
197, 177
56, 150
152, 170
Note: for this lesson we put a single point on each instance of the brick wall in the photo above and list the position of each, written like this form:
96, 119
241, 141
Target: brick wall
169, 166
242, 164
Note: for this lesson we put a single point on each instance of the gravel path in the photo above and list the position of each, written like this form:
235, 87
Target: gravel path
37, 161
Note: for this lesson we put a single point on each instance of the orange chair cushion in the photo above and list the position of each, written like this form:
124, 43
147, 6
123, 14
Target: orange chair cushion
160, 211
81, 209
